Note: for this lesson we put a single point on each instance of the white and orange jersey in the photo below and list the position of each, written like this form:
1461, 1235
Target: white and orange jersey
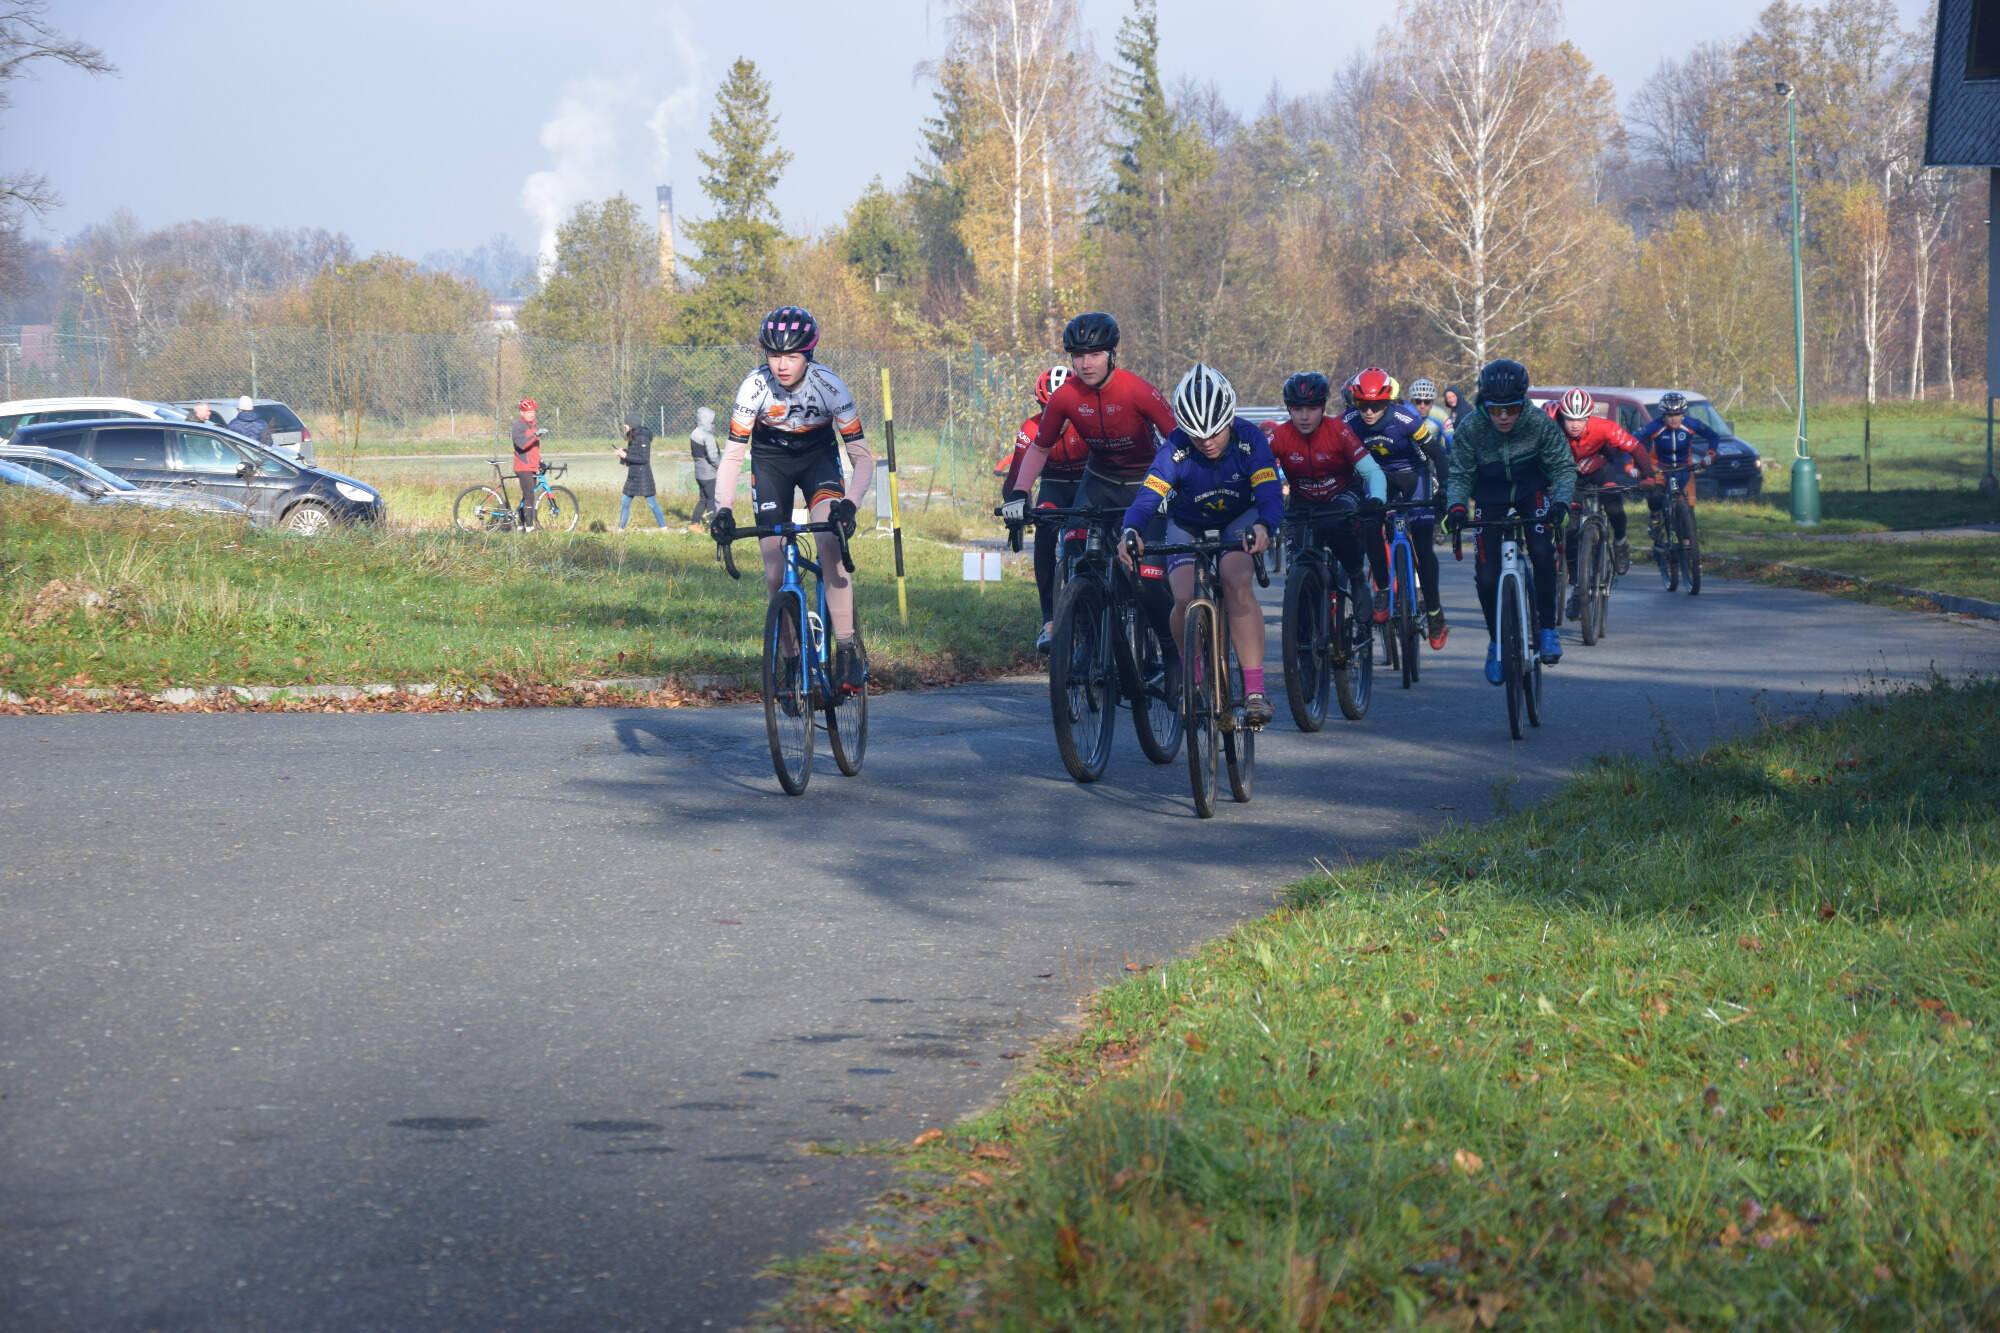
768, 415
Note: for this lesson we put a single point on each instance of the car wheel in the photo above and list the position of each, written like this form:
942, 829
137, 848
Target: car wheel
309, 520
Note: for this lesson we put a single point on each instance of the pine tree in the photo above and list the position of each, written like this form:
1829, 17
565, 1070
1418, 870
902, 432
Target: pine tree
738, 247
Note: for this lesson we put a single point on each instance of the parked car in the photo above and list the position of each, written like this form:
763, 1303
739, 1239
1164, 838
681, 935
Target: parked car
289, 435
30, 411
1736, 470
216, 462
98, 486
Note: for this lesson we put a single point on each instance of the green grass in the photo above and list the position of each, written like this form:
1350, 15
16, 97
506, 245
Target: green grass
1699, 1043
198, 602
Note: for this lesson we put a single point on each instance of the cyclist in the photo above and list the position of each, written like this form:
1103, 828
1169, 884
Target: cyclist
1325, 463
1057, 490
527, 460
1594, 440
1506, 455
1410, 448
1423, 397
1122, 419
1215, 472
1671, 437
789, 412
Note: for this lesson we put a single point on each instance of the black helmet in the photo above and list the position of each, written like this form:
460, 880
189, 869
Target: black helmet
1308, 388
1673, 400
789, 329
1091, 332
1503, 383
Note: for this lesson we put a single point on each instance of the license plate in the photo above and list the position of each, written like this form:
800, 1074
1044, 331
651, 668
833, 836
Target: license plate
1736, 490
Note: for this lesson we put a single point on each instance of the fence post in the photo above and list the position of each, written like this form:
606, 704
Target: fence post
253, 363
895, 498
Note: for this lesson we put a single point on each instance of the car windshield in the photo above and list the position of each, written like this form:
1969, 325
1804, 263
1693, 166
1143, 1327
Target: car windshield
1700, 409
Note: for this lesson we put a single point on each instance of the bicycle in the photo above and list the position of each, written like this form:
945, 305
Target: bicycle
1324, 650
1403, 633
1676, 541
485, 508
797, 669
1596, 572
1209, 666
1514, 618
1103, 649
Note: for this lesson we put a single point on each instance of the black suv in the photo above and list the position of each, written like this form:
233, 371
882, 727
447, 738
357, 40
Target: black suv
215, 462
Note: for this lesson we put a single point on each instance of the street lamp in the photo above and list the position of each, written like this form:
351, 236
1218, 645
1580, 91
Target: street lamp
1805, 476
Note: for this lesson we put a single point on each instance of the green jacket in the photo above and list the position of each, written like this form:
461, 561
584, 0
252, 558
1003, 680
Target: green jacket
1536, 439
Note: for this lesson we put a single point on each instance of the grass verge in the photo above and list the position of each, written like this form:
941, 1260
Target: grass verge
1699, 1043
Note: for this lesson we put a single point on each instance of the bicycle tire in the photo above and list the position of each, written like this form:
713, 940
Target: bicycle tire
1156, 705
1239, 744
847, 723
1203, 723
1690, 550
1302, 639
1589, 546
1604, 580
555, 509
1353, 662
1531, 663
1670, 550
1390, 656
1512, 656
481, 509
1082, 680
788, 713
1405, 618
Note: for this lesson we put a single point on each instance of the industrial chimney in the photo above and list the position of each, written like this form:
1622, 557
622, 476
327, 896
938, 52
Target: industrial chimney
666, 197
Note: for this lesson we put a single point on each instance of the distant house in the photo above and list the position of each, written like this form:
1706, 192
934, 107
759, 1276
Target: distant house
506, 310
38, 346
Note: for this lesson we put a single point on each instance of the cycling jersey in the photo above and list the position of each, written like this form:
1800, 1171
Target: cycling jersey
1201, 493
1490, 466
1065, 460
1674, 449
1121, 421
1404, 440
1327, 462
796, 420
1593, 450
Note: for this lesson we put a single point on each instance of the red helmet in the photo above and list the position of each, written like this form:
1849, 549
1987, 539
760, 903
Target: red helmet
1052, 379
526, 405
1576, 403
1373, 388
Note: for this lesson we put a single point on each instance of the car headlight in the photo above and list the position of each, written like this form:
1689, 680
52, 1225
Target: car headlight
358, 494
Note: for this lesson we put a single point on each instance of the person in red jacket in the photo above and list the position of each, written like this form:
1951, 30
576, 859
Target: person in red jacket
1325, 463
1059, 480
1606, 455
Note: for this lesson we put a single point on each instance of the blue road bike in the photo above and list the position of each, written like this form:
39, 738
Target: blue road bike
1403, 633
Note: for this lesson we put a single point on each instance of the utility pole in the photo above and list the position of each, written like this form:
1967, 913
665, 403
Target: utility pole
1805, 476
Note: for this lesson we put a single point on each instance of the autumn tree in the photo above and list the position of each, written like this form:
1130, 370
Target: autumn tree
27, 42
739, 247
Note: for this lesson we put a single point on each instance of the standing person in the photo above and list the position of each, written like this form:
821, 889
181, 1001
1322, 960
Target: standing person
527, 459
707, 456
248, 424
789, 413
1060, 478
1508, 457
637, 456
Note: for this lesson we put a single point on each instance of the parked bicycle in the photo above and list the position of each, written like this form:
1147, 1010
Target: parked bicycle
1676, 540
1596, 570
797, 667
1514, 617
486, 509
1212, 678
1326, 651
1403, 633
1103, 649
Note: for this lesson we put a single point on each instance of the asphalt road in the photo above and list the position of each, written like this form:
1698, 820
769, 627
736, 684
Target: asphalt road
457, 1021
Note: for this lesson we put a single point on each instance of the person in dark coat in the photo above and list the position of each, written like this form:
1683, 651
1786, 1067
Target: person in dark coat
637, 456
248, 424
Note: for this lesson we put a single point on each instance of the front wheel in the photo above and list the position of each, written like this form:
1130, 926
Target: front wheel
1198, 706
309, 520
556, 508
1082, 681
1513, 653
1690, 548
481, 509
1406, 622
1303, 642
788, 714
847, 723
1589, 549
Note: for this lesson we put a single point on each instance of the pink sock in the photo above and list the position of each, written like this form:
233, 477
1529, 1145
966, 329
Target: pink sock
1253, 680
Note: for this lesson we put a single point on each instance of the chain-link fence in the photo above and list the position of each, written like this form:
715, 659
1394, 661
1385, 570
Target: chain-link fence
956, 411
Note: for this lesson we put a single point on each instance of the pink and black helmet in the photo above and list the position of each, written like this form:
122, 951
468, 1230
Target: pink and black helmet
789, 328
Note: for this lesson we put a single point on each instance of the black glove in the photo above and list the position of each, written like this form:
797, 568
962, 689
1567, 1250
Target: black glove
1455, 519
723, 526
1437, 504
1555, 517
1372, 507
843, 514
1014, 506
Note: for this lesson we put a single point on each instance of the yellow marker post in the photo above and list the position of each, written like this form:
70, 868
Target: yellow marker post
895, 497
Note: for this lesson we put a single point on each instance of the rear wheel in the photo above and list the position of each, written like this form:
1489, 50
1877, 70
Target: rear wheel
1198, 706
1589, 549
1531, 665
788, 717
1239, 744
1156, 708
1082, 687
1304, 644
1690, 547
1513, 656
847, 723
556, 508
481, 509
1353, 650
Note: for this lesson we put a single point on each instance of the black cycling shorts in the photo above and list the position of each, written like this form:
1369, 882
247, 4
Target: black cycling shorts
775, 475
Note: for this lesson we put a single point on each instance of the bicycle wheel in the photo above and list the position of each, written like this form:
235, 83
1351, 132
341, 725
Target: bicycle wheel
788, 718
556, 508
1690, 547
481, 509
1198, 705
1302, 638
1239, 744
1156, 706
1667, 550
1531, 663
1083, 698
1513, 654
1353, 650
847, 723
1589, 547
1405, 619
1391, 640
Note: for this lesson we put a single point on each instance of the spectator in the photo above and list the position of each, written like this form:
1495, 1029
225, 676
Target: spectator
1453, 404
203, 415
707, 456
248, 424
527, 459
637, 456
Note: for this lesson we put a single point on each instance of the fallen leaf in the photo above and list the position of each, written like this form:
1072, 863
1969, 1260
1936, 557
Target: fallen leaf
1194, 1042
992, 1152
928, 1136
1750, 943
979, 1178
1729, 1236
1069, 1252
1827, 911
1467, 1162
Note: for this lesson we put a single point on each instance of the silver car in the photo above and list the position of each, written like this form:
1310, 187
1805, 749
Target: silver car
289, 435
97, 486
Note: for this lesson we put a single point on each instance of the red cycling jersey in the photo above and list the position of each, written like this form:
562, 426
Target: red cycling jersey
1601, 438
1065, 460
1122, 421
1321, 465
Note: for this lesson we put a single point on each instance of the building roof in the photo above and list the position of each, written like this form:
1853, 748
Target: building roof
1963, 128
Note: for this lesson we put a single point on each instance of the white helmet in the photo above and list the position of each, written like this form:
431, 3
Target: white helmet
1204, 403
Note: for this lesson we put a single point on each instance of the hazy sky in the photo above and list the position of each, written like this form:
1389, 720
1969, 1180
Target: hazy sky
419, 126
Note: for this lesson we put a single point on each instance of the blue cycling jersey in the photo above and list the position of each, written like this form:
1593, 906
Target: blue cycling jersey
1200, 492
1401, 441
1673, 450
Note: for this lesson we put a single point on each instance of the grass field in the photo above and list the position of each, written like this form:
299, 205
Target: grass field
1700, 1043
97, 598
